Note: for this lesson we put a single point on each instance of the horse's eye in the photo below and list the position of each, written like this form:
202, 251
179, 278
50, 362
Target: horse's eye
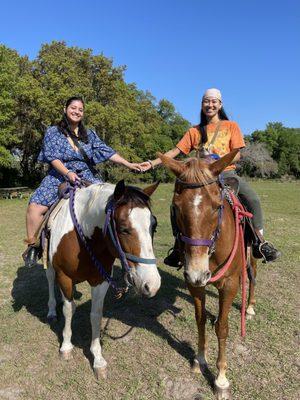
124, 231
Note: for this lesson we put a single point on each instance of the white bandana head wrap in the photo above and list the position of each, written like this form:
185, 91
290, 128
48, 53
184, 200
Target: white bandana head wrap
212, 93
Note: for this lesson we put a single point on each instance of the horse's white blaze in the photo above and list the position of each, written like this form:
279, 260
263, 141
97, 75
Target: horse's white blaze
196, 202
140, 219
98, 294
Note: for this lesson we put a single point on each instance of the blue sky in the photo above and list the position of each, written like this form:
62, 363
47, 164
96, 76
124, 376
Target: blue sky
249, 49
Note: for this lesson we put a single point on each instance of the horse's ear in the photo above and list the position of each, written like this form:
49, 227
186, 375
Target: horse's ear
151, 189
218, 166
119, 190
177, 167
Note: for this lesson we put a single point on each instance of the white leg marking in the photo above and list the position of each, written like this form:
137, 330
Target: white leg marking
250, 310
221, 381
50, 273
68, 310
98, 294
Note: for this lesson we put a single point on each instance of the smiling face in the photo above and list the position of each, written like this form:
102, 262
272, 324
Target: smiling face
211, 106
74, 112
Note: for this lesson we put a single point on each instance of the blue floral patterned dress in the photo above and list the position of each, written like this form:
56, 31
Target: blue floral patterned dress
57, 147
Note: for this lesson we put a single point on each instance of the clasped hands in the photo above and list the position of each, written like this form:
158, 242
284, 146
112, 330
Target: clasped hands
141, 167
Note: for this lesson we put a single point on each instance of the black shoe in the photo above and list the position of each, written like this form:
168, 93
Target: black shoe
267, 251
31, 256
173, 259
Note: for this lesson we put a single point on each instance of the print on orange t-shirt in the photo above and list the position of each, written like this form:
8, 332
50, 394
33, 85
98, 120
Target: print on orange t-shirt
229, 137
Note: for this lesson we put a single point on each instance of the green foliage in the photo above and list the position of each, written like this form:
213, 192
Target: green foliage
284, 146
32, 95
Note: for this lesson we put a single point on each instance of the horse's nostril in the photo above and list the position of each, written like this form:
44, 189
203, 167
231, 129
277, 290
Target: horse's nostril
146, 287
208, 275
185, 274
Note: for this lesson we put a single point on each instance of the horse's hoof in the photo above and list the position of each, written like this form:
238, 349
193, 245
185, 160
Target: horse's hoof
195, 368
66, 355
52, 319
223, 393
100, 373
250, 313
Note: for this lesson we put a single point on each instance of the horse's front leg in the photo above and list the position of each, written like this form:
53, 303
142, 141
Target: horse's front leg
98, 295
51, 316
68, 311
226, 295
251, 298
200, 315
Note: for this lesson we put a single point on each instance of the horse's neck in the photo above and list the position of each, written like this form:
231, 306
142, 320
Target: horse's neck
90, 206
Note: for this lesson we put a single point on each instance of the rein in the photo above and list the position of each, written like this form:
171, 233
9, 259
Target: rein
109, 225
239, 214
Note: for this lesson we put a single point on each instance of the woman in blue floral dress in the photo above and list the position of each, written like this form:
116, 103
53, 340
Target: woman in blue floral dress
67, 162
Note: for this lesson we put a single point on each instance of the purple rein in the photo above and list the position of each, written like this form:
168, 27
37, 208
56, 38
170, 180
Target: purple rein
109, 225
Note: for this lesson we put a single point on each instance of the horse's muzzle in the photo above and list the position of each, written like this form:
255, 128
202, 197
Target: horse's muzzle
197, 278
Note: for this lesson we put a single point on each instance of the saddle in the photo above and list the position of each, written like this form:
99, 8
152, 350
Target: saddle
41, 240
250, 235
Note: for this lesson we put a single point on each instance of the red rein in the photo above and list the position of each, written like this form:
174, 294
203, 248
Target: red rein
239, 213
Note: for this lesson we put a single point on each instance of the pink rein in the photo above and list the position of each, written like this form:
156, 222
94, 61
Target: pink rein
239, 213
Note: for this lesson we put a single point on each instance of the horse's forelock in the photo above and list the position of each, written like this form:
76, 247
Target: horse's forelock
196, 171
134, 197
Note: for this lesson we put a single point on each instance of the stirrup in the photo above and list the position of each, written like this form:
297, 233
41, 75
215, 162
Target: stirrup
270, 244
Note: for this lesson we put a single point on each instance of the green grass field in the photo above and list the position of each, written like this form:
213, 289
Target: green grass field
149, 343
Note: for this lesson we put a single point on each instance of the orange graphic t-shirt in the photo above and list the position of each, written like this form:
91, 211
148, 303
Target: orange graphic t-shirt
229, 137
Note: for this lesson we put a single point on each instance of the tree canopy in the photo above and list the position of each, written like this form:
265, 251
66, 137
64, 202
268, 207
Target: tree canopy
32, 95
133, 122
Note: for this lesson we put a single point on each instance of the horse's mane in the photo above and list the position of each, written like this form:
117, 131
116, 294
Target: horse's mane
135, 197
197, 171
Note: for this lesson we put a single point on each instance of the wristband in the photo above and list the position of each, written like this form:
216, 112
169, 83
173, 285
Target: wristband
66, 175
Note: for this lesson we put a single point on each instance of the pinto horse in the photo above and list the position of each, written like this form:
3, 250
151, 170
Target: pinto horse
71, 263
202, 212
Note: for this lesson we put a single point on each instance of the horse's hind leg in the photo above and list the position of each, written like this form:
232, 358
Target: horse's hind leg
226, 296
251, 298
98, 295
51, 316
200, 315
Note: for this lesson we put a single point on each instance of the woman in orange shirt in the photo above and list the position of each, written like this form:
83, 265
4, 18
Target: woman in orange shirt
216, 135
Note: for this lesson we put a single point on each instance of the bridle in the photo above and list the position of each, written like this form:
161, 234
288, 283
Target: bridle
239, 213
110, 227
211, 242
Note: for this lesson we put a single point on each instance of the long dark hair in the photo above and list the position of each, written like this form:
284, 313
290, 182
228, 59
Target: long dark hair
64, 125
203, 122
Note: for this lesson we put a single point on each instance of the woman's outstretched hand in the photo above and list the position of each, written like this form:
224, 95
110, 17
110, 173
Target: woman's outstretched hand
135, 167
145, 166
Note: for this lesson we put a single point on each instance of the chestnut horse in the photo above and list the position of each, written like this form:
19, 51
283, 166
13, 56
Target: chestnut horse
202, 211
71, 262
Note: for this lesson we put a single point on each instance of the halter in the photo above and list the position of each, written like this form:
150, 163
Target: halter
210, 243
111, 226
